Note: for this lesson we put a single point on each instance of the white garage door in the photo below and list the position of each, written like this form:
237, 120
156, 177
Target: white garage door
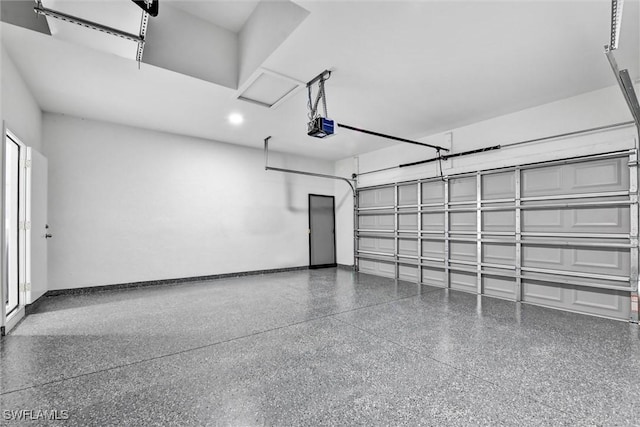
562, 234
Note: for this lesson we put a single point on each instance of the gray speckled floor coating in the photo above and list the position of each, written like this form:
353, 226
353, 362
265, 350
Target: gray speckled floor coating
318, 347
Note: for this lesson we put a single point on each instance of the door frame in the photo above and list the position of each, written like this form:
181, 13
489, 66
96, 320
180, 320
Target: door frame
9, 320
333, 210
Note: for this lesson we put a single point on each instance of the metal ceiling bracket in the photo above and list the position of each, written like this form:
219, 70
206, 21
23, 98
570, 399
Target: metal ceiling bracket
143, 34
39, 9
139, 39
616, 21
320, 96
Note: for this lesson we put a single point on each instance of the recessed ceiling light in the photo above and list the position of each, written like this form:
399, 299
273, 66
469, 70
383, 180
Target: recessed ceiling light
235, 118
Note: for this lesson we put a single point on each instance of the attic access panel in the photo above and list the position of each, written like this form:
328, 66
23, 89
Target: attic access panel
269, 89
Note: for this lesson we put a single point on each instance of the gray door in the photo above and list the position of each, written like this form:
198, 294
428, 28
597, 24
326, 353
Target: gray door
322, 240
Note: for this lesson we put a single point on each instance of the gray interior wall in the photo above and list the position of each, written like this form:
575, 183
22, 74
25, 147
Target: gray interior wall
127, 205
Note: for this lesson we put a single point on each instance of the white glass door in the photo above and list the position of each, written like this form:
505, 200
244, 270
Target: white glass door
14, 230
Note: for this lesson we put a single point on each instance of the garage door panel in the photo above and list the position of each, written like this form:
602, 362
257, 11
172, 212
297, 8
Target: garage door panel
377, 244
498, 186
366, 198
499, 220
542, 181
611, 218
408, 221
378, 268
463, 281
462, 189
601, 302
462, 221
433, 221
579, 220
378, 197
408, 194
543, 220
543, 257
542, 293
613, 261
432, 192
408, 247
432, 248
500, 287
376, 222
596, 176
605, 261
366, 222
408, 272
368, 266
463, 251
598, 301
433, 275
367, 244
498, 253
600, 176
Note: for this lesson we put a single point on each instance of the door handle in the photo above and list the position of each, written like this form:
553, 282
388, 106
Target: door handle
48, 236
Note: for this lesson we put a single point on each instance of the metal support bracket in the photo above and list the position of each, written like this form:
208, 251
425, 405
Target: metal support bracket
139, 39
320, 96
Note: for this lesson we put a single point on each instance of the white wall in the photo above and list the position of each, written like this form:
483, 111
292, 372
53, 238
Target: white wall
21, 112
127, 205
593, 109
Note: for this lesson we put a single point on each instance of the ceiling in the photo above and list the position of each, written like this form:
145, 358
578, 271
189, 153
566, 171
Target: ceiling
230, 14
407, 68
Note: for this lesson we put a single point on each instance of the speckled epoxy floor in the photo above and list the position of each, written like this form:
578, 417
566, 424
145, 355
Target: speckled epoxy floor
319, 347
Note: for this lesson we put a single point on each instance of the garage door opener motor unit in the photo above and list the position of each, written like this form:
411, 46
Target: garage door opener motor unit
319, 126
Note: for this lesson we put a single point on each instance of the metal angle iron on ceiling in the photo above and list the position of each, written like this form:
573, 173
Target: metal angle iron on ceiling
150, 7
